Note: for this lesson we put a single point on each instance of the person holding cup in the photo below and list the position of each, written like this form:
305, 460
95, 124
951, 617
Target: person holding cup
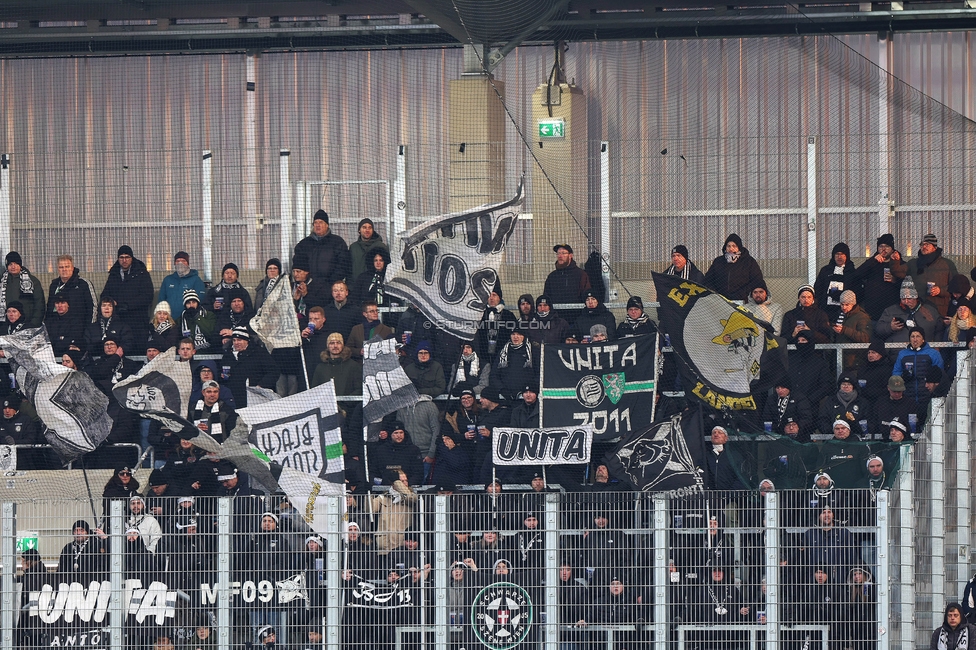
806, 317
931, 272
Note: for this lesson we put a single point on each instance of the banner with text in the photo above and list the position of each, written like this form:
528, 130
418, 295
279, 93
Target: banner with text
556, 446
607, 385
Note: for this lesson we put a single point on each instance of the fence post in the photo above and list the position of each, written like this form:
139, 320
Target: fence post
812, 209
287, 211
8, 557
661, 577
206, 212
116, 540
772, 571
883, 579
223, 573
441, 572
333, 554
551, 624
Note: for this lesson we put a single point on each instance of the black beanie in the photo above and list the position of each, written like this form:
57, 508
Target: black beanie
887, 239
14, 256
231, 265
321, 215
124, 250
681, 250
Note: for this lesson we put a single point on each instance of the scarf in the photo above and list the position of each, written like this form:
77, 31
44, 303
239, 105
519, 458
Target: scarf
962, 641
521, 349
635, 322
684, 273
732, 258
377, 286
781, 406
105, 324
271, 285
26, 288
473, 367
846, 399
924, 261
163, 326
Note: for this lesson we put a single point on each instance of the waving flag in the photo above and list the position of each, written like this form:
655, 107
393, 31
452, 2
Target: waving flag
446, 266
160, 391
724, 352
276, 323
68, 402
386, 386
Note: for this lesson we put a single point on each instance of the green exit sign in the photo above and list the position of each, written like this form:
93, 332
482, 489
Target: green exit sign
554, 128
27, 541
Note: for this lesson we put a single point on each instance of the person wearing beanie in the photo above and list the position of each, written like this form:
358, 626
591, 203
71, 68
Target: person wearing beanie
681, 265
546, 325
761, 304
833, 279
789, 412
496, 323
217, 300
851, 325
272, 271
962, 324
931, 271
517, 364
880, 276
108, 325
85, 557
235, 314
65, 327
247, 363
960, 290
567, 282
735, 272
806, 317
17, 284
18, 428
131, 287
177, 283
594, 313
14, 319
845, 404
874, 370
896, 320
362, 250
163, 326
637, 321
426, 373
894, 406
915, 362
80, 292
325, 253
270, 556
198, 323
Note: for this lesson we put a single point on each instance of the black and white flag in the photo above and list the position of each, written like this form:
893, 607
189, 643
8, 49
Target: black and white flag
300, 432
447, 265
276, 323
386, 387
656, 459
72, 408
160, 391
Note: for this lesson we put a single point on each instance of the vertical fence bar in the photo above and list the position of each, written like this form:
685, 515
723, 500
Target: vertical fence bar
333, 555
116, 540
906, 550
441, 573
287, 211
223, 573
882, 534
206, 213
605, 217
8, 557
552, 604
884, 193
5, 244
773, 617
963, 425
399, 212
661, 577
937, 504
812, 209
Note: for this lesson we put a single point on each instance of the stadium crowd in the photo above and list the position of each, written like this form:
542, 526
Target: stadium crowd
340, 299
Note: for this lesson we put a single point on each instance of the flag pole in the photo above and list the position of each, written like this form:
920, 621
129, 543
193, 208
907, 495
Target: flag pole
301, 353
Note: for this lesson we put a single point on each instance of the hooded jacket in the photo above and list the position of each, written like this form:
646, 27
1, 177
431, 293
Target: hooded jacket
833, 281
361, 253
734, 280
947, 638
936, 269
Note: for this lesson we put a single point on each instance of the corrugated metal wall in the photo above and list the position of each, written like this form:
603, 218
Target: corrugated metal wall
107, 151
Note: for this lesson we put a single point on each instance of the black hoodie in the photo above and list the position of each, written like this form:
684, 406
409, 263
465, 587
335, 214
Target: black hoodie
734, 280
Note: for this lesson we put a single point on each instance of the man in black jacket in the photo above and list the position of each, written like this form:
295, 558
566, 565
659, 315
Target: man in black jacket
80, 292
131, 286
327, 254
245, 364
